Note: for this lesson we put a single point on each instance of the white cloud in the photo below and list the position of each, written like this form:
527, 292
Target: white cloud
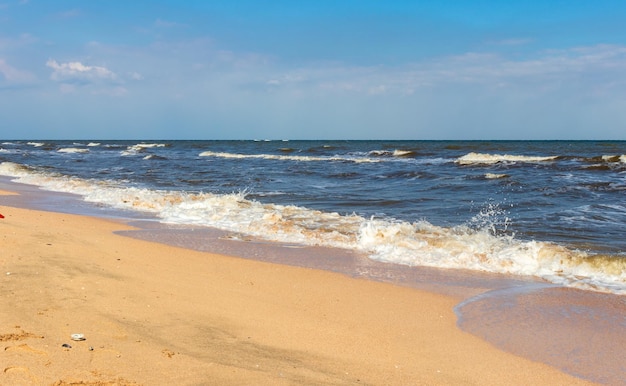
582, 67
77, 72
198, 66
75, 77
554, 87
587, 69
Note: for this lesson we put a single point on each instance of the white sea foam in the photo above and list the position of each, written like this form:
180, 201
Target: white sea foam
154, 157
493, 176
415, 244
402, 153
389, 153
36, 144
140, 147
11, 150
93, 144
488, 159
150, 145
73, 150
287, 157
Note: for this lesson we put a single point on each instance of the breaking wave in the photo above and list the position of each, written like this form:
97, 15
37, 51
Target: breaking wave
74, 150
477, 245
489, 159
357, 159
141, 147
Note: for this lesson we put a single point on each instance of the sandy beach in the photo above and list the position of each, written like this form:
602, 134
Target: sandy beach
153, 314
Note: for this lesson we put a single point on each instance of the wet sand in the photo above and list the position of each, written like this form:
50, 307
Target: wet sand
161, 314
580, 332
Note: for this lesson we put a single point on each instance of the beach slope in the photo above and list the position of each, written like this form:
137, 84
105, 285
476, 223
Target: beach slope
153, 314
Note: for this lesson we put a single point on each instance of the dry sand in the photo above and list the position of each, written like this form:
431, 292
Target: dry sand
160, 315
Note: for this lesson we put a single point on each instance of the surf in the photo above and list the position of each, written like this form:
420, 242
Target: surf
481, 244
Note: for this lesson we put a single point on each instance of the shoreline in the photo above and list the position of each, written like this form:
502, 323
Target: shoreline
157, 314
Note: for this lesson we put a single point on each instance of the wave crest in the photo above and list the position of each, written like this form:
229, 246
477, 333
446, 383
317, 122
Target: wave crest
286, 157
74, 150
490, 159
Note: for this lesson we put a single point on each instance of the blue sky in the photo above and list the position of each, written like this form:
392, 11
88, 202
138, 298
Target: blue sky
353, 69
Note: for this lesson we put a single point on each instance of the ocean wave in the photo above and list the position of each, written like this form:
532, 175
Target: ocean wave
154, 157
605, 162
476, 245
391, 153
403, 153
494, 176
423, 244
73, 150
299, 158
490, 159
140, 148
614, 158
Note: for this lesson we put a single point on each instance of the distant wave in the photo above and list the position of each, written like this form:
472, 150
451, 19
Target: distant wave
605, 162
489, 159
394, 153
417, 244
287, 157
493, 176
141, 147
73, 150
154, 157
614, 158
403, 153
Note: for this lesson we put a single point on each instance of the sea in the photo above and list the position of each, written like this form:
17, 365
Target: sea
554, 210
529, 236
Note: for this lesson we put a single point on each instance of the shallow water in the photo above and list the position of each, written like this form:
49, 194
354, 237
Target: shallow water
581, 332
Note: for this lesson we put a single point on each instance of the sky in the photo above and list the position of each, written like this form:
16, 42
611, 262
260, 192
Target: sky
313, 69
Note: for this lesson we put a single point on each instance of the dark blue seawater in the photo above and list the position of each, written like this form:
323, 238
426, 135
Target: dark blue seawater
438, 203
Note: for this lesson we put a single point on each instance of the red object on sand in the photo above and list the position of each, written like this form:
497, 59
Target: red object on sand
1, 216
